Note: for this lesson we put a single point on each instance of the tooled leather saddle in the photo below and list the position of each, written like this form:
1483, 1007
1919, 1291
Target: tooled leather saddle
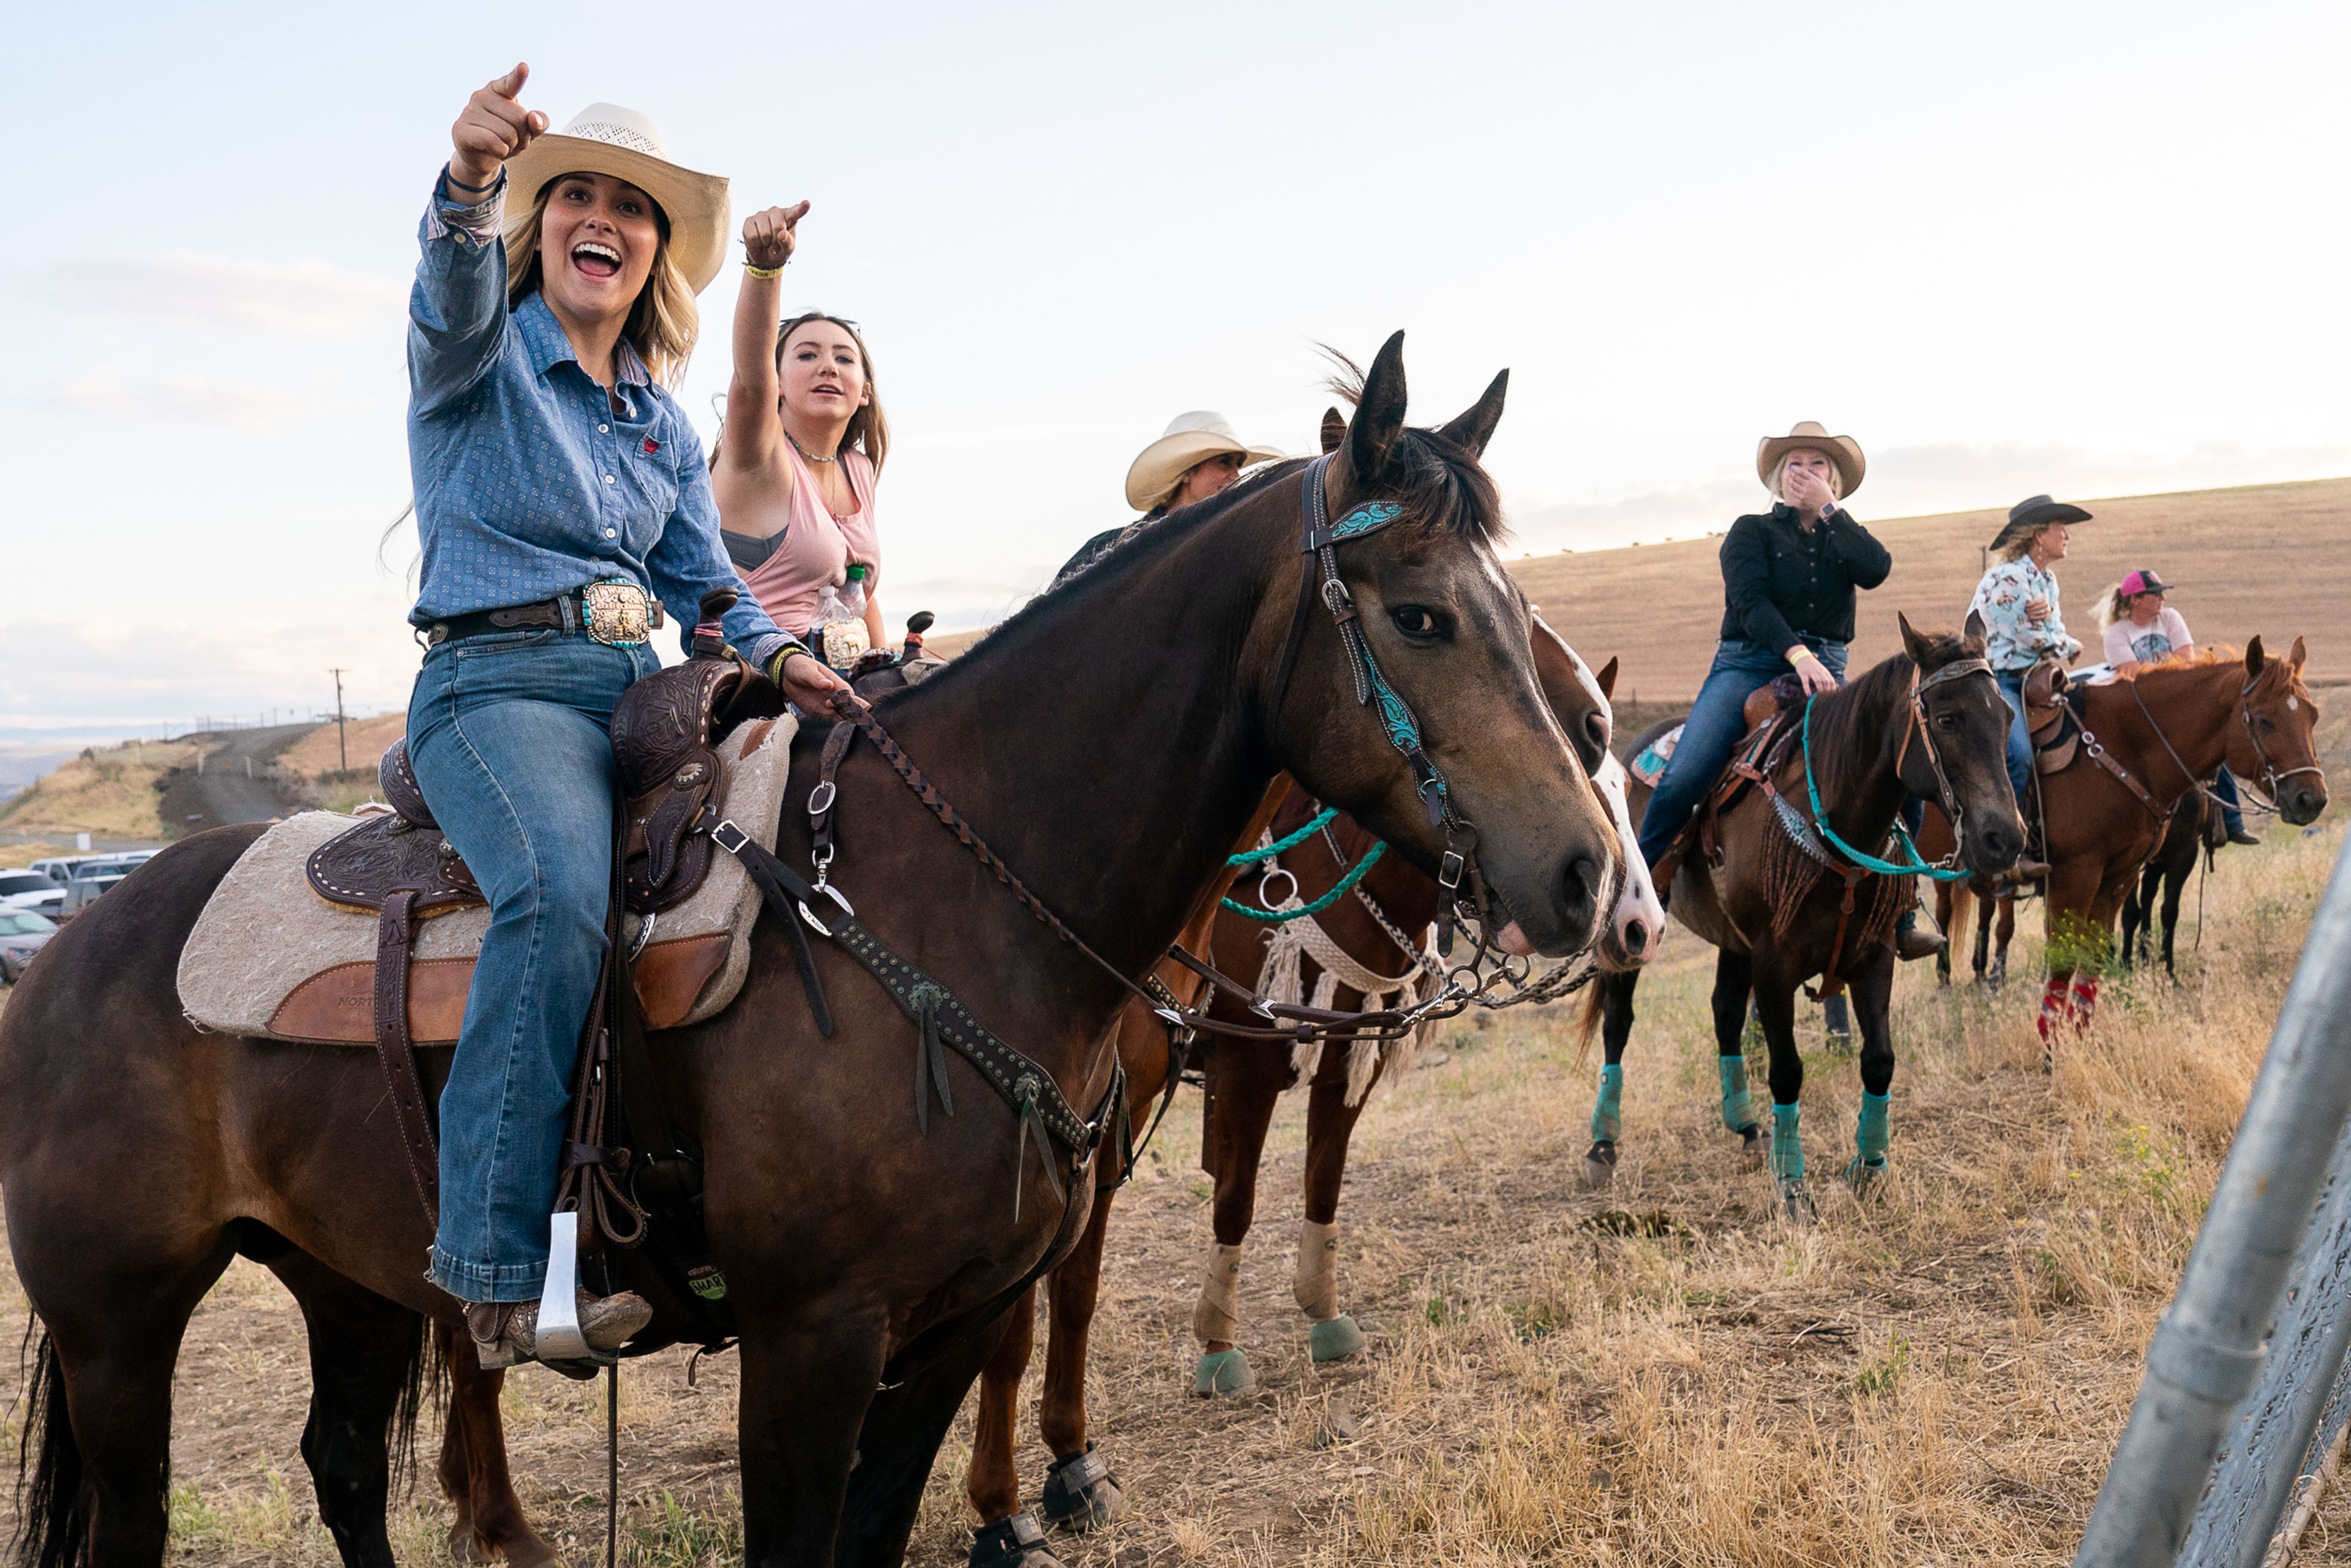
398, 864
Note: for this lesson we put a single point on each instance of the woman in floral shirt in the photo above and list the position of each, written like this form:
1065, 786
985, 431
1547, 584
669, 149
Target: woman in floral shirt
2018, 602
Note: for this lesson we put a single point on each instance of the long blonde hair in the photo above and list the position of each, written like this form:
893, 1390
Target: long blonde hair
869, 429
2113, 605
664, 324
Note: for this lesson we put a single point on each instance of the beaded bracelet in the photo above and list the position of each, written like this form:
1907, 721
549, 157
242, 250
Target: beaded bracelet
763, 272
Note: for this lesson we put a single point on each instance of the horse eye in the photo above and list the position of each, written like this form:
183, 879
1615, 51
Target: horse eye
1946, 721
1416, 622
1596, 728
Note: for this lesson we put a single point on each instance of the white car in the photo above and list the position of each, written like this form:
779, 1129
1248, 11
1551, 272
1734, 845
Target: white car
22, 888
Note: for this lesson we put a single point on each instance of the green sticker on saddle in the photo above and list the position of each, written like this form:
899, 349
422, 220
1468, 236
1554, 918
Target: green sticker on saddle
708, 1282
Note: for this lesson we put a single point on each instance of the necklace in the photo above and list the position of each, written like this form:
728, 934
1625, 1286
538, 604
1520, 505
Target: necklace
804, 452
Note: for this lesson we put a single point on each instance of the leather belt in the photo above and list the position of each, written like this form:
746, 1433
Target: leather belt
603, 607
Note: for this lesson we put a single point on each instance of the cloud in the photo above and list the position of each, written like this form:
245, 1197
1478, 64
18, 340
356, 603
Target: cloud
181, 398
305, 298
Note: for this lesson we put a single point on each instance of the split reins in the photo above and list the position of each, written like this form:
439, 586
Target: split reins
2272, 775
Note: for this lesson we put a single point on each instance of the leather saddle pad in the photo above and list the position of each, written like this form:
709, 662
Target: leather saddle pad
271, 956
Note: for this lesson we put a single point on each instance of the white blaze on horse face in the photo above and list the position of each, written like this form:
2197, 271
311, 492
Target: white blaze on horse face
1636, 926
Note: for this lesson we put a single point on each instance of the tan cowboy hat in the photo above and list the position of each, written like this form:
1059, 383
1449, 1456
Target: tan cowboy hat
1192, 438
1843, 451
605, 139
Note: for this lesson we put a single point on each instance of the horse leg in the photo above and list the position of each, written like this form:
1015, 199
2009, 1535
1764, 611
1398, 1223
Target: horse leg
992, 1483
2073, 891
2175, 883
1080, 1493
489, 1523
366, 1351
1330, 1123
1947, 903
896, 1446
1775, 1005
1612, 1001
1873, 993
1734, 982
1246, 1080
111, 1328
807, 1386
1997, 976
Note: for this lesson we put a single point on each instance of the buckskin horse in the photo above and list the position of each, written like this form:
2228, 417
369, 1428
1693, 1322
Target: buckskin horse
138, 1156
1081, 1490
1783, 897
2140, 743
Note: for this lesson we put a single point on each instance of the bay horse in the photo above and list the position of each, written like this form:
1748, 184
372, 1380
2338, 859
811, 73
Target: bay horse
2161, 730
1779, 910
1081, 1490
137, 1154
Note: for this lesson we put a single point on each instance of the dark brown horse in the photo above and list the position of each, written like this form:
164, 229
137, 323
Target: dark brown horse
139, 1156
2194, 832
1081, 1491
2163, 729
1781, 908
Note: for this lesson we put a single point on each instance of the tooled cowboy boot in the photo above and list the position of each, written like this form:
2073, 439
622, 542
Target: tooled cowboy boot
505, 1333
1910, 942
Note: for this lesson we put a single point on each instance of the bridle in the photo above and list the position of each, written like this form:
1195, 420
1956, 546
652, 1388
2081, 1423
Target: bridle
1318, 541
2272, 774
1948, 796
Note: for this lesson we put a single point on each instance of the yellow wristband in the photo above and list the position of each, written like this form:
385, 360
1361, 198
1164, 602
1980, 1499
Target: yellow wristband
1800, 652
763, 272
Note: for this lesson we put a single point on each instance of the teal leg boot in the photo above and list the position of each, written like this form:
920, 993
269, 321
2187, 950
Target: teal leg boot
1223, 1375
1738, 1108
1870, 1136
1607, 1126
1788, 1165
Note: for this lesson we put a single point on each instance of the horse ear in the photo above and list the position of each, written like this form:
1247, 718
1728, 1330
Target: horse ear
1379, 415
1975, 632
2254, 657
1334, 429
1476, 427
2297, 655
1912, 643
1606, 680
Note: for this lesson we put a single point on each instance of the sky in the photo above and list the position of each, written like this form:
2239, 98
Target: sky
2084, 249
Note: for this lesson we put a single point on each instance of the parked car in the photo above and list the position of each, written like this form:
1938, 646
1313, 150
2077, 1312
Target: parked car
91, 880
22, 932
60, 868
22, 886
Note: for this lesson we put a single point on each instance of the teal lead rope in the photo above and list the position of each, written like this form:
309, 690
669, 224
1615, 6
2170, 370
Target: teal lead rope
1918, 866
1346, 885
1328, 815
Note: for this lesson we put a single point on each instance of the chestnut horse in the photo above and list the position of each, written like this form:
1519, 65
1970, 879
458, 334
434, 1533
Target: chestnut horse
1928, 721
2164, 728
138, 1156
1081, 1491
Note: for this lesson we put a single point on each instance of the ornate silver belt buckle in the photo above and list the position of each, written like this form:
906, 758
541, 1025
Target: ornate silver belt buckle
618, 612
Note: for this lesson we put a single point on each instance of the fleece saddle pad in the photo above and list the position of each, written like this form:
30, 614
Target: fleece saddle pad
268, 957
1650, 766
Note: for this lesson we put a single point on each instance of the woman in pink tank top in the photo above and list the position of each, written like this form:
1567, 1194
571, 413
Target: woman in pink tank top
803, 445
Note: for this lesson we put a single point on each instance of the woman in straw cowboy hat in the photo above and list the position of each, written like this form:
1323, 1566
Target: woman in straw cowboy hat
805, 441
1197, 457
558, 487
1789, 575
2023, 624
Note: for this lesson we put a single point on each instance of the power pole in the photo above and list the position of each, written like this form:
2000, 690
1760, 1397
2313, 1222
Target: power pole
342, 745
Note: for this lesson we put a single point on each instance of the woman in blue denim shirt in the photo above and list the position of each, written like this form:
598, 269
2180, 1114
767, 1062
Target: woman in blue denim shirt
558, 487
1789, 576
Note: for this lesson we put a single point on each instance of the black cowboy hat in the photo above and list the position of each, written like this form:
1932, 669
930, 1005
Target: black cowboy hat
2033, 514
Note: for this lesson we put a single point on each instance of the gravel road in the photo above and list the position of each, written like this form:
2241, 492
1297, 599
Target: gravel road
237, 784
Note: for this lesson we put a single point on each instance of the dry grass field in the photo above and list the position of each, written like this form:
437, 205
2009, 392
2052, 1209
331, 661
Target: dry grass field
1661, 1373
111, 792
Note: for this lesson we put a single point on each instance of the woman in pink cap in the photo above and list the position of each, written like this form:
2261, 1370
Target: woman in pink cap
2141, 629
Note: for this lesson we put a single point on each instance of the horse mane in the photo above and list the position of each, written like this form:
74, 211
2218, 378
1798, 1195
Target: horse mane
1438, 480
2202, 654
1846, 737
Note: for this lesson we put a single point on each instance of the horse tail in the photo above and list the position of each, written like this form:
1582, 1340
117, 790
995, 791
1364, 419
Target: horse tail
1587, 1024
424, 1380
53, 1510
1963, 898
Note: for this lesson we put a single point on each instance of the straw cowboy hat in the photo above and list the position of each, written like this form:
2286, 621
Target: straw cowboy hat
1843, 451
605, 139
2031, 515
1192, 438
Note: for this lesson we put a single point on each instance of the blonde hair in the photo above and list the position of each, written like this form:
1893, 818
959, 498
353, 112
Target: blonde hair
2114, 605
664, 324
869, 428
1780, 471
2021, 546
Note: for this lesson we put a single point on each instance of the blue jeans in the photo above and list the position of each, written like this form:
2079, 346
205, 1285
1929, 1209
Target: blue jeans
1717, 721
2020, 742
2224, 785
508, 736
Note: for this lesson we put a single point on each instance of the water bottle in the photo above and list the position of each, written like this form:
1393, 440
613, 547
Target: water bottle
840, 634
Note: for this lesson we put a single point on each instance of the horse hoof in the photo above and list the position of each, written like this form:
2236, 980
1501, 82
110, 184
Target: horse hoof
1223, 1375
1754, 1142
1797, 1204
1860, 1175
1018, 1541
1599, 1165
1333, 1339
1081, 1494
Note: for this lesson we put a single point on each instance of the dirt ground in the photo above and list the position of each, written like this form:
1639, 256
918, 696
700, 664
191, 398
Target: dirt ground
1663, 1372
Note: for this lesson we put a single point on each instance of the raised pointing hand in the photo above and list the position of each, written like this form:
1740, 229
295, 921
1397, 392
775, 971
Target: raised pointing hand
493, 128
769, 236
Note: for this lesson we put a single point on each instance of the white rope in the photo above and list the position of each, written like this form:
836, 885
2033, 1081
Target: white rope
1282, 980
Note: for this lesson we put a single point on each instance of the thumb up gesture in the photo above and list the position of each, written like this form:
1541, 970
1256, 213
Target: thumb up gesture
493, 128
